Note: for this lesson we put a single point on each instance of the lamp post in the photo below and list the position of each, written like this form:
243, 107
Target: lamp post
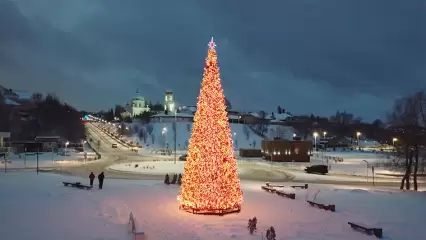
393, 144
357, 138
175, 134
367, 169
66, 148
324, 134
315, 140
164, 132
85, 153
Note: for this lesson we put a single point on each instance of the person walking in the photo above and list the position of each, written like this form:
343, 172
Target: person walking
101, 180
92, 178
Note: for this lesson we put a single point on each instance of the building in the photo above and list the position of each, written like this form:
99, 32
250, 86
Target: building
171, 117
136, 107
169, 102
4, 141
18, 107
48, 143
287, 151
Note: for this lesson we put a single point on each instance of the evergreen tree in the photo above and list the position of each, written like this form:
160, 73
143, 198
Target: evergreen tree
210, 182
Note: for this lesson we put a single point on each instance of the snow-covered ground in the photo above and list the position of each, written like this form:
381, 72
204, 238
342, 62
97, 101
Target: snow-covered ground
40, 207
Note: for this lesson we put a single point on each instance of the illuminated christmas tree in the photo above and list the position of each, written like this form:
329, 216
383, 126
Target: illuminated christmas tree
210, 182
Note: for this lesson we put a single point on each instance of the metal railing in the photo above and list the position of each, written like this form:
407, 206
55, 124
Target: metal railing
132, 222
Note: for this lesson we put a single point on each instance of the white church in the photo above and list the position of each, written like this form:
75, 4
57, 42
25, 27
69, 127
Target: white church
136, 106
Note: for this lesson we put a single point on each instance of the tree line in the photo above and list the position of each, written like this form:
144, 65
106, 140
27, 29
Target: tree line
46, 116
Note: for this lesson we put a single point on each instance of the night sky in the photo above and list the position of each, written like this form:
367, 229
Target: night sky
309, 56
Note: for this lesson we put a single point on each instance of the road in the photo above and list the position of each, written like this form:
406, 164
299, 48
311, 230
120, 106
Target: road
123, 154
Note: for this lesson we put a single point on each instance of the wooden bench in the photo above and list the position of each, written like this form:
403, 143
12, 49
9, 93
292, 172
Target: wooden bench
323, 206
8, 161
269, 189
284, 194
273, 185
77, 185
300, 186
378, 232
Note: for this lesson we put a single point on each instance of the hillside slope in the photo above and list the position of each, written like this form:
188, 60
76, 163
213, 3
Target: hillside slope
161, 135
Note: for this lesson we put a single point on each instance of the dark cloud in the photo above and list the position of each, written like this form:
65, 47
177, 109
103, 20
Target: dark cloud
308, 56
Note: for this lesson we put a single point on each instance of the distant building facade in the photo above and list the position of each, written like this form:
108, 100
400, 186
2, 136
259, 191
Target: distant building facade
287, 151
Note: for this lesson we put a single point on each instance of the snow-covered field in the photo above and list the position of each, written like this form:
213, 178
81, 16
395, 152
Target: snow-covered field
40, 207
156, 168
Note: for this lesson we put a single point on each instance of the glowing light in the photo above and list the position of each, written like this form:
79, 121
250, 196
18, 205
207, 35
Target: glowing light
210, 182
212, 45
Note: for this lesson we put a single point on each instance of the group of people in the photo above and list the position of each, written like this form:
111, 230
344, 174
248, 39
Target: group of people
101, 178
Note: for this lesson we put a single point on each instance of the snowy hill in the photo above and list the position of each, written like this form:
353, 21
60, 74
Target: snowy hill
161, 134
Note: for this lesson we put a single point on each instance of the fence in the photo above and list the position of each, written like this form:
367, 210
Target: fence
398, 166
321, 157
132, 222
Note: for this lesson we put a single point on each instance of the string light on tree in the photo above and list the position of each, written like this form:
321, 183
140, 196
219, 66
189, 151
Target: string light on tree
210, 182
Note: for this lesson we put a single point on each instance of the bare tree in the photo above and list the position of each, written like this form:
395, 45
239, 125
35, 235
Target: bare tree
408, 122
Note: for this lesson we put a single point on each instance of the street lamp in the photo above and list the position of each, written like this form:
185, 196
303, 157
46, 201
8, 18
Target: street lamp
315, 140
175, 134
393, 141
324, 134
164, 132
357, 137
366, 162
66, 147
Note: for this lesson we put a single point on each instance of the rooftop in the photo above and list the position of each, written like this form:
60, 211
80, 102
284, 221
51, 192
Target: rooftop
162, 114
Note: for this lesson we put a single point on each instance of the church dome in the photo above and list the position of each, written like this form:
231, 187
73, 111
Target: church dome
138, 98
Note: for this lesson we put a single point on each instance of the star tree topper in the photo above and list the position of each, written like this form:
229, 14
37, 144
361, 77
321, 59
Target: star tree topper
212, 45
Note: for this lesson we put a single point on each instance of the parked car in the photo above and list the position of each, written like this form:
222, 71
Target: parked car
183, 157
266, 156
114, 145
321, 169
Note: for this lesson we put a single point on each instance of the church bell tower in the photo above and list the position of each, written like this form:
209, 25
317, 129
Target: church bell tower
169, 102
